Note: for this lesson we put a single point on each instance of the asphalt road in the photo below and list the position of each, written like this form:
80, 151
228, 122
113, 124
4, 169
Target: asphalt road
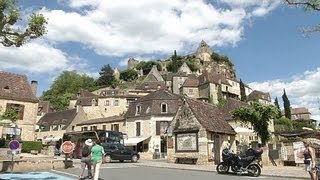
129, 171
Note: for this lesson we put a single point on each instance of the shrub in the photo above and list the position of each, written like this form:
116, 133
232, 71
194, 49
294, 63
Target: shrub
27, 146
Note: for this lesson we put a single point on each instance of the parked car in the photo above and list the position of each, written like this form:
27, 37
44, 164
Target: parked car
120, 152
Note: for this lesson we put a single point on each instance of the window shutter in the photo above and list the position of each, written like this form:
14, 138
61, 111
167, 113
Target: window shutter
8, 107
138, 128
157, 127
21, 112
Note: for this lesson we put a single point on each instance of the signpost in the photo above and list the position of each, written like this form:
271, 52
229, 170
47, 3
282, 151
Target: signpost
14, 146
67, 148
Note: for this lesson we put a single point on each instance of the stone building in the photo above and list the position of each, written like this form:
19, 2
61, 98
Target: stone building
44, 107
132, 63
199, 132
262, 97
245, 134
190, 87
116, 73
301, 113
113, 123
184, 68
147, 120
54, 124
16, 93
204, 51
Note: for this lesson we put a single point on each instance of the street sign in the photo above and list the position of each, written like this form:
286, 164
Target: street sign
67, 147
14, 144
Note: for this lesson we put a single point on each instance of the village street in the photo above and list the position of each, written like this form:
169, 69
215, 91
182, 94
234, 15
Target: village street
123, 171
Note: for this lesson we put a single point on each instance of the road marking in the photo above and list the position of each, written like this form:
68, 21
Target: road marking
117, 167
61, 172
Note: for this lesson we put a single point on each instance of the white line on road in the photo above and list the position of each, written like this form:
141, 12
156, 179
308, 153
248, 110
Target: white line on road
117, 167
61, 172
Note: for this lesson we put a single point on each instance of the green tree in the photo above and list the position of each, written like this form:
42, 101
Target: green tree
107, 78
286, 105
176, 62
283, 124
9, 16
65, 86
308, 5
147, 66
221, 99
128, 75
10, 114
221, 59
276, 103
192, 64
242, 92
300, 123
259, 116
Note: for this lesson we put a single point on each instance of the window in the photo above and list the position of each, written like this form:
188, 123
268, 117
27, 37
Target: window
93, 102
138, 128
115, 127
84, 129
18, 108
93, 127
190, 91
104, 127
107, 103
72, 128
116, 102
164, 108
138, 110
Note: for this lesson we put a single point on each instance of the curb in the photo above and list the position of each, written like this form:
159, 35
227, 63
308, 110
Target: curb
205, 170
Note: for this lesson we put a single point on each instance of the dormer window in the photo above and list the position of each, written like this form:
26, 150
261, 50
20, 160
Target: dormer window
146, 86
158, 87
164, 108
93, 102
138, 109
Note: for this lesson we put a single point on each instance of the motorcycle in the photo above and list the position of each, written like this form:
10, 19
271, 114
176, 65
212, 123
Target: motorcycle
240, 165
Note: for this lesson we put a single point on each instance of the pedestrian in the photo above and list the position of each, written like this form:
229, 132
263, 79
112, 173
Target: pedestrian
259, 152
97, 153
309, 159
86, 158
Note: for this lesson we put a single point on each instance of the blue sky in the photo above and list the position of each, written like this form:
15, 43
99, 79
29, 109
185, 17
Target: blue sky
261, 37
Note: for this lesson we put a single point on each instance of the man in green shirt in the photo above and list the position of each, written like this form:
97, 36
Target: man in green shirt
97, 152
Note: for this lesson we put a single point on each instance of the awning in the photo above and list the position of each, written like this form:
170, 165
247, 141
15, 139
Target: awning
133, 141
54, 138
243, 130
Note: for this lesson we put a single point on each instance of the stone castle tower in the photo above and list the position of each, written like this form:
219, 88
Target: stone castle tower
204, 52
132, 63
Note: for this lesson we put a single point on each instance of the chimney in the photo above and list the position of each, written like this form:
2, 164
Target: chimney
34, 87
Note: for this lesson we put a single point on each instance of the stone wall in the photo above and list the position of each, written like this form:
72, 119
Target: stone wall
33, 165
27, 124
191, 92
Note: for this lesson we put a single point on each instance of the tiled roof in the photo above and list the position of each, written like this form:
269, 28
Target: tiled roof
301, 110
211, 77
210, 117
58, 118
192, 81
15, 87
260, 95
231, 105
83, 94
87, 101
103, 120
44, 107
151, 104
156, 85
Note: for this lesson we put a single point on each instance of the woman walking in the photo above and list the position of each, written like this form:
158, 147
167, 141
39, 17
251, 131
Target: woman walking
97, 153
309, 159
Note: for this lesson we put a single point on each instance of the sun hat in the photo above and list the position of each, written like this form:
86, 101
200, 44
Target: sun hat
89, 142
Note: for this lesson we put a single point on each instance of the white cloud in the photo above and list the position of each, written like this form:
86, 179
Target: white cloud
121, 28
302, 90
39, 57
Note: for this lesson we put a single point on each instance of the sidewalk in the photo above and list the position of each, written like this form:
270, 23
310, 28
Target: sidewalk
290, 172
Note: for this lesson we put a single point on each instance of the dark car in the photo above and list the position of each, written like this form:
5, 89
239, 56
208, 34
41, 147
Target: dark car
120, 152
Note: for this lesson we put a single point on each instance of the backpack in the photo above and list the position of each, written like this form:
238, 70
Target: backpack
86, 151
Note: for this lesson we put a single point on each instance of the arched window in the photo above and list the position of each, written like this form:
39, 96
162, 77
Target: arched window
164, 108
